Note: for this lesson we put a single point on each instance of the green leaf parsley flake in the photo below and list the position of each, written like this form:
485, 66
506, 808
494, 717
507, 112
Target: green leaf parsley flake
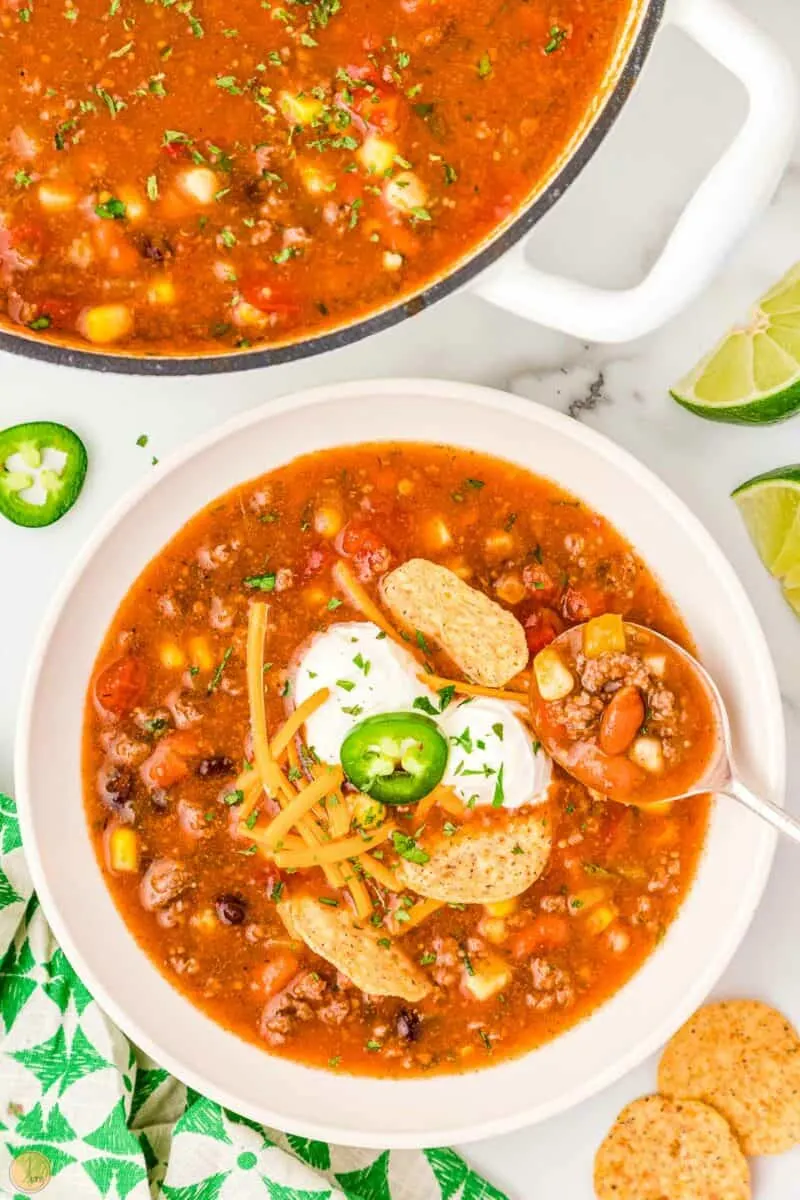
427, 959
234, 798
420, 214
251, 820
227, 237
420, 638
497, 730
477, 484
556, 38
334, 603
385, 943
450, 173
373, 1046
42, 322
498, 799
250, 850
484, 66
362, 663
517, 849
152, 187
111, 210
446, 695
333, 1063
216, 678
171, 136
536, 747
355, 710
24, 15
448, 829
468, 967
113, 105
510, 522
407, 848
346, 685
22, 179
142, 439
307, 40
329, 901
284, 255
424, 704
487, 1041
262, 583
277, 891
227, 83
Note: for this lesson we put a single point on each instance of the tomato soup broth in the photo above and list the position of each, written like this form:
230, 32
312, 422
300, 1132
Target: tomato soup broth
169, 744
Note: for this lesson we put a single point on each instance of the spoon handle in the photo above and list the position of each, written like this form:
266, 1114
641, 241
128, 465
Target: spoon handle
765, 809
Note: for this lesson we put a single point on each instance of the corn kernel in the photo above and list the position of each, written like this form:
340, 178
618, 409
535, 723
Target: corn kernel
205, 920
299, 110
553, 679
499, 543
487, 981
376, 154
106, 323
124, 849
587, 898
172, 657
405, 487
328, 521
436, 534
57, 197
509, 588
405, 192
493, 929
503, 908
315, 597
135, 207
199, 184
601, 918
604, 635
201, 654
368, 812
161, 291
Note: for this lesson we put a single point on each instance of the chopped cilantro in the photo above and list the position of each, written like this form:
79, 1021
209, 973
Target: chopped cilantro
262, 583
407, 848
216, 678
484, 66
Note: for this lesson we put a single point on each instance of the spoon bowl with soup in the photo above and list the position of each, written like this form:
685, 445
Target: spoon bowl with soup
633, 716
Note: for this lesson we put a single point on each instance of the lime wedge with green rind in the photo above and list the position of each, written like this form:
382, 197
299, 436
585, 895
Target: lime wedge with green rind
770, 508
753, 375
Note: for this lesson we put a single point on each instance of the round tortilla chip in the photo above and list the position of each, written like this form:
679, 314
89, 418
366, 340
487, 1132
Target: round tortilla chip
661, 1149
742, 1057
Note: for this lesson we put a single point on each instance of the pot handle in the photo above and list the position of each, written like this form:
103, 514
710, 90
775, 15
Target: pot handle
737, 188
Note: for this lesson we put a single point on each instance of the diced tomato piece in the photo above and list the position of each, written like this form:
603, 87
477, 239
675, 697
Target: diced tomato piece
278, 971
62, 311
167, 764
580, 604
379, 109
548, 931
120, 686
175, 151
541, 628
358, 538
262, 291
28, 241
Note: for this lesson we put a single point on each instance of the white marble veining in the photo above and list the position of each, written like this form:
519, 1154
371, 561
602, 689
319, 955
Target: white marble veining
606, 230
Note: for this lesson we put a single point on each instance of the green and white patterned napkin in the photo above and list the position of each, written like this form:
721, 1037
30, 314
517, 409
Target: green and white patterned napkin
83, 1113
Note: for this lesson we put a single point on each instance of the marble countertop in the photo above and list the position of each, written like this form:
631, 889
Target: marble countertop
606, 230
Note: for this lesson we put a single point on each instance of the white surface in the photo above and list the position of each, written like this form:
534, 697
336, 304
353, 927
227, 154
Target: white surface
406, 1112
736, 190
606, 230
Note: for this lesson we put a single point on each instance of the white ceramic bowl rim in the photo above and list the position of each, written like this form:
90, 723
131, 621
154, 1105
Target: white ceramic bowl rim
442, 1109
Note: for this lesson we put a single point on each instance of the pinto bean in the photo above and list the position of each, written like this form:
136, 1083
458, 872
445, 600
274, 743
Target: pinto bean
622, 720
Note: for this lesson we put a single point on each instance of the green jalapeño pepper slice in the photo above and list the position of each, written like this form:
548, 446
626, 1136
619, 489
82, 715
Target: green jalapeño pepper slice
395, 757
42, 469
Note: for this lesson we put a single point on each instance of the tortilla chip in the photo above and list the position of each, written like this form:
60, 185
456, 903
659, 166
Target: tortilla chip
743, 1058
483, 639
480, 865
661, 1149
333, 934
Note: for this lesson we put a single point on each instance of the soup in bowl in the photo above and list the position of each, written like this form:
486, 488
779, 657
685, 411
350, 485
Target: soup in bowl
420, 930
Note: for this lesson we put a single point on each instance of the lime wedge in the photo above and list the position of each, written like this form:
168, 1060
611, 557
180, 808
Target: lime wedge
753, 375
770, 508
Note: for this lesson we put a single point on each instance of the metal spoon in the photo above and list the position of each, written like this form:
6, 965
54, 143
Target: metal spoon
719, 773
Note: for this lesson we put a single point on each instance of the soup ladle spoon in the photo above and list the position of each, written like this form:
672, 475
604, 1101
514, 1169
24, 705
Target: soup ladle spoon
717, 774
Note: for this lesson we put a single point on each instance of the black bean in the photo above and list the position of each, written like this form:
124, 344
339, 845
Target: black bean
116, 786
231, 909
211, 768
409, 1024
155, 250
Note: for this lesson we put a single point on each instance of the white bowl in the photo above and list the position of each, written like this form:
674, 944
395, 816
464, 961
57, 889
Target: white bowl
442, 1109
